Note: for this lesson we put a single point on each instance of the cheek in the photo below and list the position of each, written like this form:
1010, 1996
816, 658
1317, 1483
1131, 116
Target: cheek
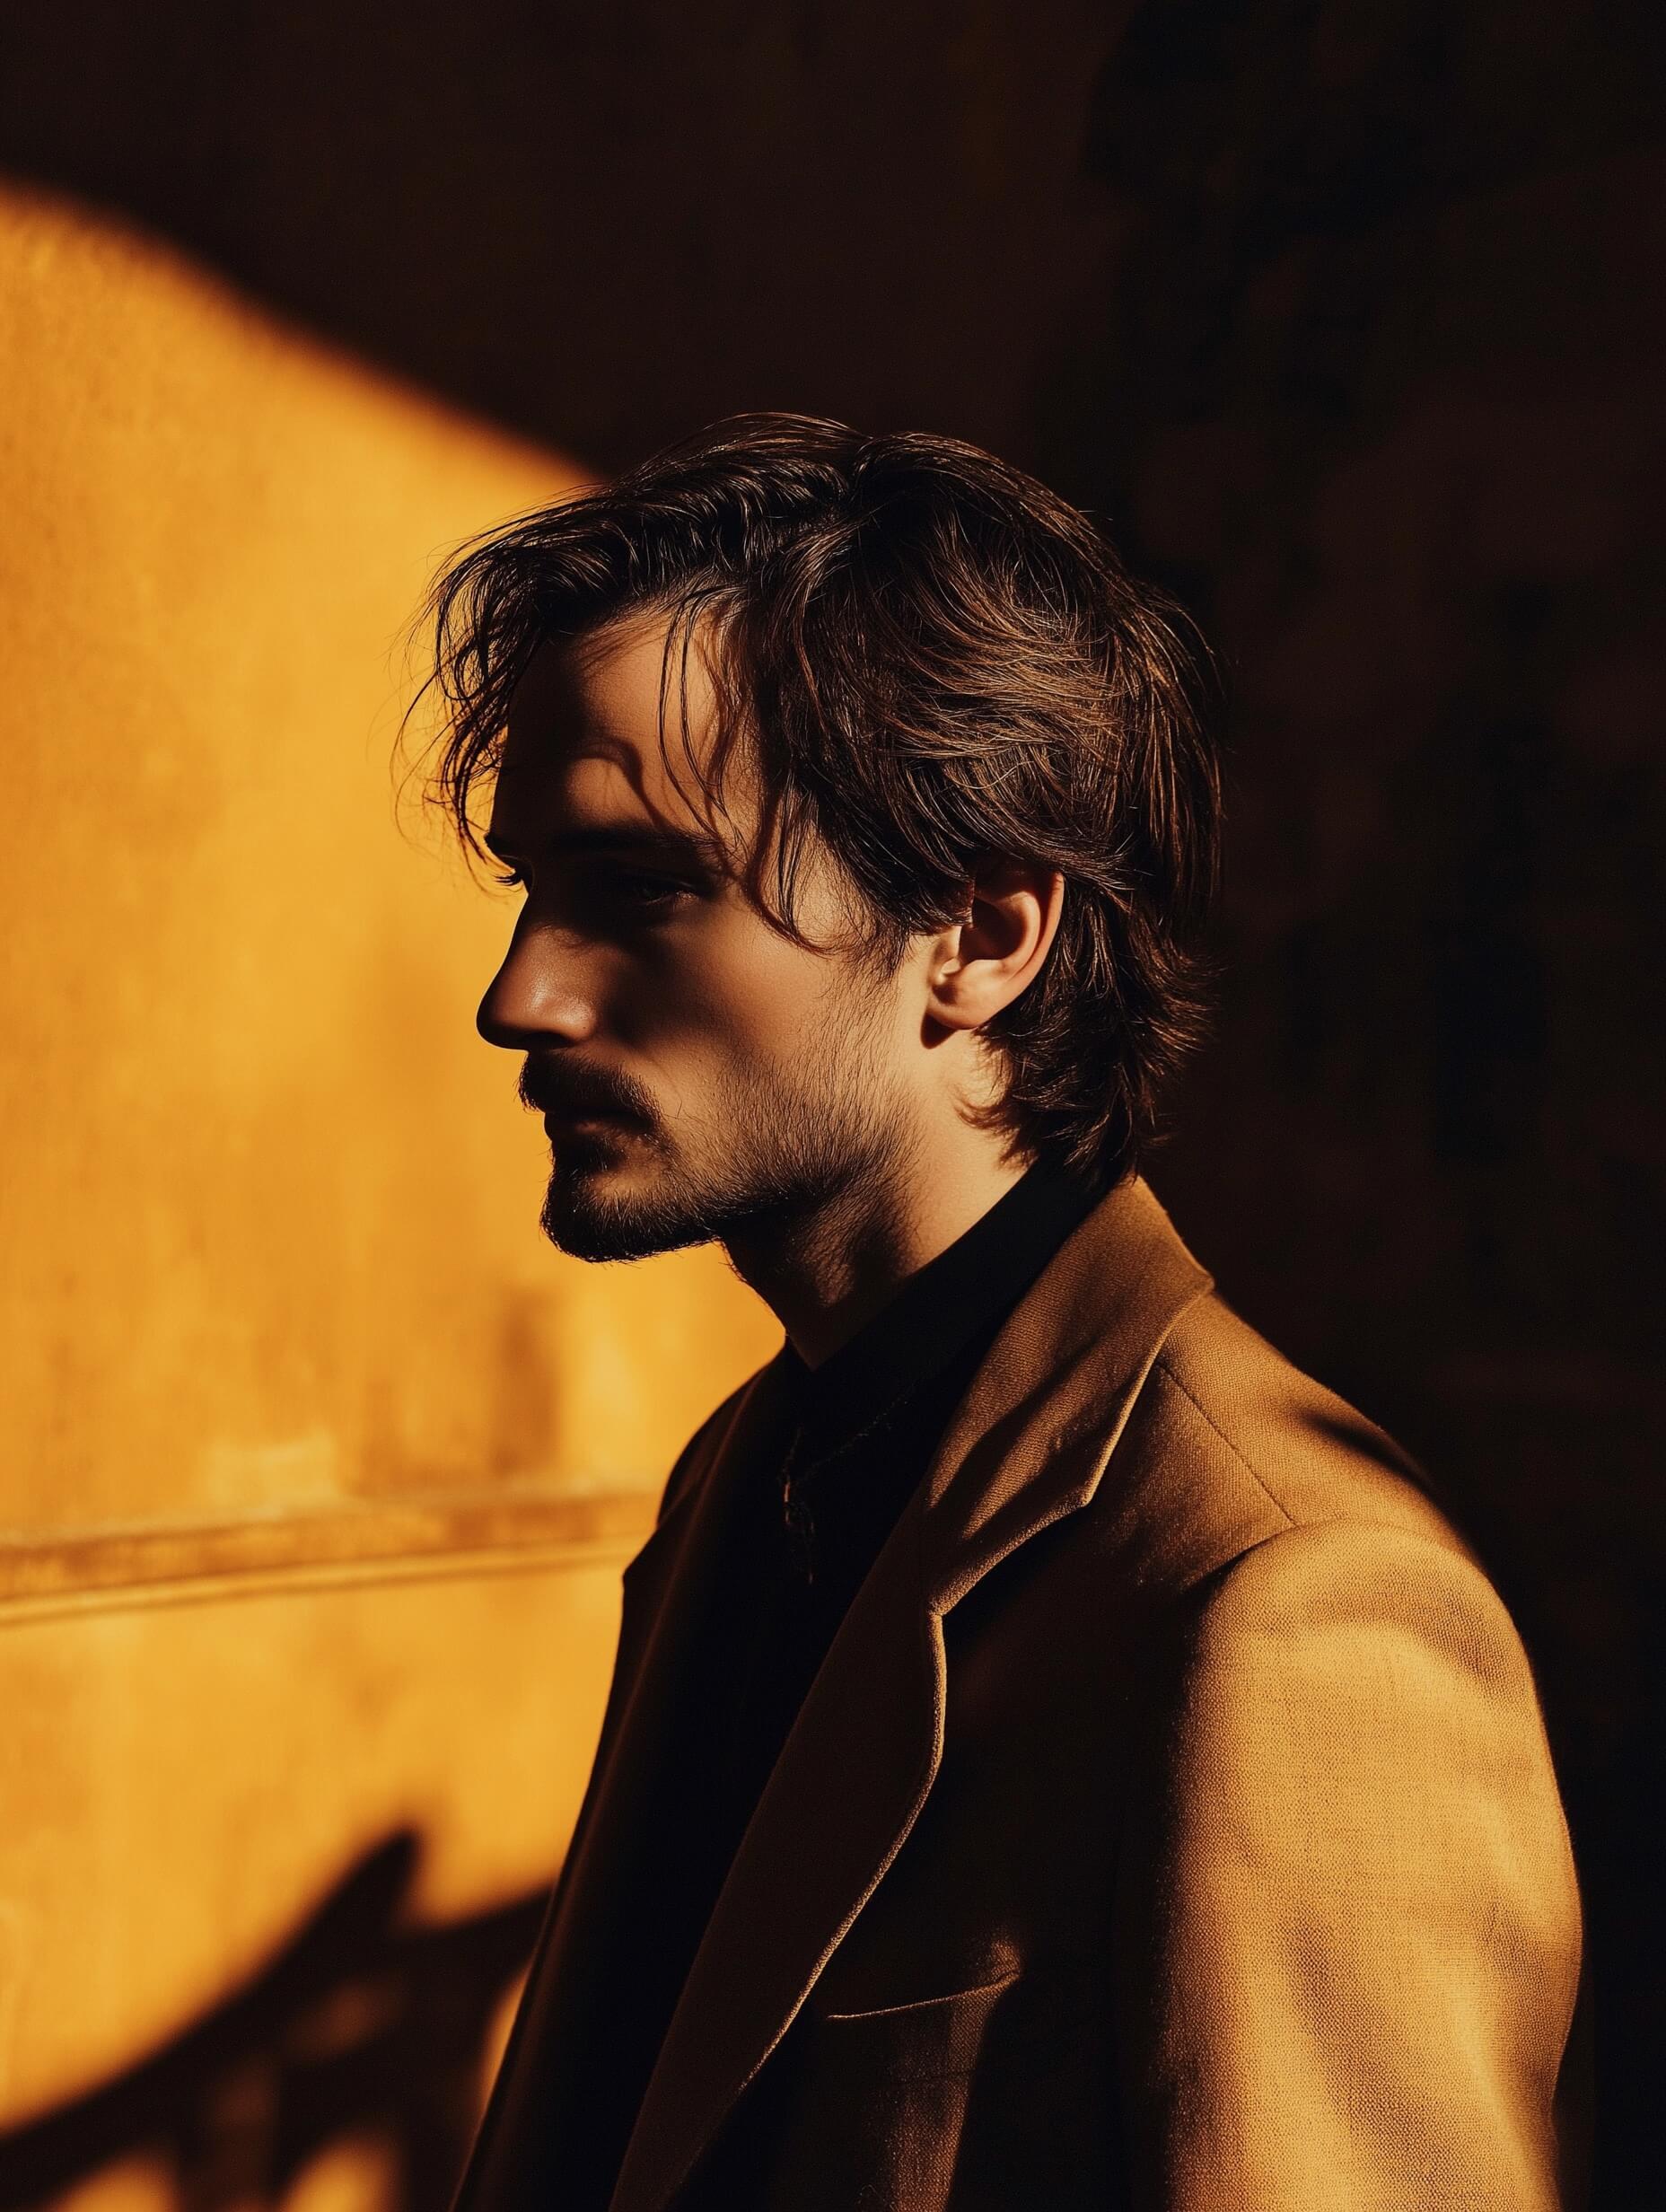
731, 994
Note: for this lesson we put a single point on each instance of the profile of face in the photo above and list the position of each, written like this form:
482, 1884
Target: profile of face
700, 1073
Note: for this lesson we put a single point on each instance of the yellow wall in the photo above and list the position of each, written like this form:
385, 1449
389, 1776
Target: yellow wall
319, 1464
274, 1231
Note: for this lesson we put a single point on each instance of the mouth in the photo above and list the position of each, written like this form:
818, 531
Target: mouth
557, 1124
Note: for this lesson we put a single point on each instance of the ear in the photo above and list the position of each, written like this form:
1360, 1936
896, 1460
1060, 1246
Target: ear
982, 964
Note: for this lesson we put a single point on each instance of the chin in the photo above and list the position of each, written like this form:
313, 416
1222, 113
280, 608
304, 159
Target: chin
588, 1216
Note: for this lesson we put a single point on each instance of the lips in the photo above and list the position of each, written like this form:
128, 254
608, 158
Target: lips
553, 1121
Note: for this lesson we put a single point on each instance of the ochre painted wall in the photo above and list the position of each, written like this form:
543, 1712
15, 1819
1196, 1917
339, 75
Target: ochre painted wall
274, 1236
319, 1464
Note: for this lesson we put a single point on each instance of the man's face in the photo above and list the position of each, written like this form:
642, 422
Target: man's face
699, 1073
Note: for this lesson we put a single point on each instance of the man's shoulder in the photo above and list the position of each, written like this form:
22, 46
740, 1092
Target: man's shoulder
1290, 1540
1311, 1454
1230, 1445
697, 1455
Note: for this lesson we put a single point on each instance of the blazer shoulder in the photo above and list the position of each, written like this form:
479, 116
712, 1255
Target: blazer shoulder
1228, 1443
1277, 1449
1274, 1517
702, 1448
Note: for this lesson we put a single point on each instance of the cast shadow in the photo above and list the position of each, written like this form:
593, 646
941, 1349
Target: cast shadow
363, 2026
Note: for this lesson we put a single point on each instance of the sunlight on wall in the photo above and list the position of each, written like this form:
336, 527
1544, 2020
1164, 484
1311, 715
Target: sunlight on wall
319, 1466
353, 2177
127, 2185
276, 1237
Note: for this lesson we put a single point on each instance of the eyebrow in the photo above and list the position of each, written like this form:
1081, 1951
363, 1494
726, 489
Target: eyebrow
686, 846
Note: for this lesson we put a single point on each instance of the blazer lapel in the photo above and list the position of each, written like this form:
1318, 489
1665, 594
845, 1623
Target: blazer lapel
529, 2143
1027, 1444
1030, 1440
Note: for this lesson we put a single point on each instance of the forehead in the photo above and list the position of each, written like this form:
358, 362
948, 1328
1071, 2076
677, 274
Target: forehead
581, 748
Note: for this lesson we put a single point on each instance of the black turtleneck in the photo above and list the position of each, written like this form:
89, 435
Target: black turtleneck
865, 1427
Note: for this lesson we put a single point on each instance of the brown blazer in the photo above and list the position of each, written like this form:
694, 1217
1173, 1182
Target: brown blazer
1170, 1825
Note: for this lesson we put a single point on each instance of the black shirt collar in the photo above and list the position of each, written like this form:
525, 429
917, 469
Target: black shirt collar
962, 1295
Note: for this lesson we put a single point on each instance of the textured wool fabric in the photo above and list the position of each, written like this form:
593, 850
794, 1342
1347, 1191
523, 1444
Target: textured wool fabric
1347, 1927
1169, 1825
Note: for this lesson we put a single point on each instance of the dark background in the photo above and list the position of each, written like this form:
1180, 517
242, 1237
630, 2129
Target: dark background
1344, 315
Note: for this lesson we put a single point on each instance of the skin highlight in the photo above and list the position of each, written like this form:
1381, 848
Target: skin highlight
704, 1076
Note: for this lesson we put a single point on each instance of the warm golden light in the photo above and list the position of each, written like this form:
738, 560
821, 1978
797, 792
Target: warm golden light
319, 1463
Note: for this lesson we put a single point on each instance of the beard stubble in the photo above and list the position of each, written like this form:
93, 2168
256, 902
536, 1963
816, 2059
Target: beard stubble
787, 1152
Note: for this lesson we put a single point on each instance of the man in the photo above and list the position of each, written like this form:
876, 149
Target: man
1057, 1754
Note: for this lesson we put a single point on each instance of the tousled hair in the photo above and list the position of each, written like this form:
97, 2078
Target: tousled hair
931, 661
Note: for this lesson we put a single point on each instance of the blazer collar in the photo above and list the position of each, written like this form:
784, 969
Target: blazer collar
1027, 1444
1029, 1441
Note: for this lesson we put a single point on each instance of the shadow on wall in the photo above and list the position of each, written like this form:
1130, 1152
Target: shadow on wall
364, 2027
601, 225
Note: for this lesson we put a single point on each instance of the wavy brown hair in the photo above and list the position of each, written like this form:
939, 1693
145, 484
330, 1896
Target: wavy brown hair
931, 661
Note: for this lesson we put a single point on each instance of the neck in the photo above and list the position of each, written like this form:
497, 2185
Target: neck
831, 1268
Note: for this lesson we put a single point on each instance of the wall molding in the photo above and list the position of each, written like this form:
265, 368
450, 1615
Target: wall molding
269, 1553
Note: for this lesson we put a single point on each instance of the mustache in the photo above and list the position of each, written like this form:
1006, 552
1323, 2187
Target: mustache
550, 1087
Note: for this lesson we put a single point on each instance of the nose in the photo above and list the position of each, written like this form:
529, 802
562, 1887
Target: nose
538, 996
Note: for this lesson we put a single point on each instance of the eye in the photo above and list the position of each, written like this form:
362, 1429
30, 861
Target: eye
631, 884
642, 894
628, 892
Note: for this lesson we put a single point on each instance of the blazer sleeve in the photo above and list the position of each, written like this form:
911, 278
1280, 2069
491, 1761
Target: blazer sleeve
1351, 1910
